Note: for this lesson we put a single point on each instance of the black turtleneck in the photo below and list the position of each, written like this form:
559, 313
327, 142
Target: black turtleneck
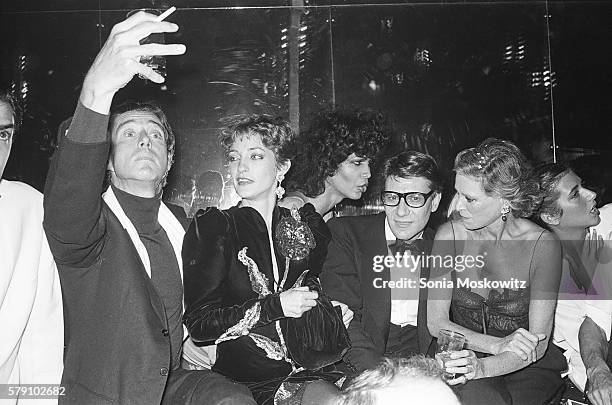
165, 273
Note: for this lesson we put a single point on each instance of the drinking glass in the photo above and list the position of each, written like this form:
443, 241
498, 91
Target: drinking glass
155, 62
448, 342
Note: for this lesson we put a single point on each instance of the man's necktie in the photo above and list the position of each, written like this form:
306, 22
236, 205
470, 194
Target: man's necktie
404, 269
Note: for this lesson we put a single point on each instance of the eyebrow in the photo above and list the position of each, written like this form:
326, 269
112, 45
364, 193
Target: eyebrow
575, 188
157, 124
7, 126
407, 192
465, 195
253, 148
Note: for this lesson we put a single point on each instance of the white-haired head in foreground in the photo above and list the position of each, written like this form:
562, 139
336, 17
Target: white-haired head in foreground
395, 380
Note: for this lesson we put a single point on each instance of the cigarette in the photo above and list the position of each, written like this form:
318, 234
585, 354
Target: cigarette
165, 14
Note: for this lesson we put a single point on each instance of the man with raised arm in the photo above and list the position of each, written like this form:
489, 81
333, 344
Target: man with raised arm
118, 250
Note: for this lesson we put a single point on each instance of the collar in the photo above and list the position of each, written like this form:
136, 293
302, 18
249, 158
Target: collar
143, 212
166, 219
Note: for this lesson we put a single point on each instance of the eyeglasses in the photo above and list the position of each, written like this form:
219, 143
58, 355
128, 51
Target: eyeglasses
413, 199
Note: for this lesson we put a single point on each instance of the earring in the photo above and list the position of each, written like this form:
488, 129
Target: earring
504, 212
280, 191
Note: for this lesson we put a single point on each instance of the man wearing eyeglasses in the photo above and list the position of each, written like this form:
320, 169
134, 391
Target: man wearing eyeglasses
375, 262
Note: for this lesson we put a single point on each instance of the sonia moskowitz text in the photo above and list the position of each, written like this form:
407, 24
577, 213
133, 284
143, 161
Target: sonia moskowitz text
485, 283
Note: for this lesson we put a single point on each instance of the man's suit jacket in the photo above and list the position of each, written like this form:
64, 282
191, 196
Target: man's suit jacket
117, 349
348, 277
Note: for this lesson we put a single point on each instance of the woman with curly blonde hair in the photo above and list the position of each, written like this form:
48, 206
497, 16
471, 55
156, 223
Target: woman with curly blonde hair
503, 298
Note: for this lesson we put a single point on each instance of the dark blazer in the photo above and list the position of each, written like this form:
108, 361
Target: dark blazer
116, 348
348, 277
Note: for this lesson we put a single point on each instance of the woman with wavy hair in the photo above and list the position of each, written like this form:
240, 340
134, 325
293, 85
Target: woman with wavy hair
332, 159
251, 278
503, 298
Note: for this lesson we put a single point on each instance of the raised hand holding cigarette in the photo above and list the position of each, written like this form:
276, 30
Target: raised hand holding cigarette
165, 14
119, 59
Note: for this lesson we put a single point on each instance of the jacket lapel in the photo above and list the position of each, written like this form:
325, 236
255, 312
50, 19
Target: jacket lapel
134, 262
379, 299
422, 329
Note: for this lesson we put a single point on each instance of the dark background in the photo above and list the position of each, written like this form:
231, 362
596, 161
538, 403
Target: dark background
447, 73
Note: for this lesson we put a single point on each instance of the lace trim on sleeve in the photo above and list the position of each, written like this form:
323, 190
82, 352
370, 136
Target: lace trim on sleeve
259, 281
273, 350
251, 317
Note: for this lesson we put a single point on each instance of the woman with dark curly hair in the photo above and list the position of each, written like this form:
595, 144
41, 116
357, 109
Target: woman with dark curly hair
251, 278
501, 289
331, 160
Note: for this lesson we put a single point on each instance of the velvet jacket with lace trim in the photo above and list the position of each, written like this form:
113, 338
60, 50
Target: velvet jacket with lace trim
230, 293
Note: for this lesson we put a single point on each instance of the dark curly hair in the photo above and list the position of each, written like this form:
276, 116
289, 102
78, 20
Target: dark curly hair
504, 171
275, 133
332, 137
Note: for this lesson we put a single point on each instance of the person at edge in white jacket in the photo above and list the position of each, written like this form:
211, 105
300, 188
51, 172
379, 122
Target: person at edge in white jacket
31, 319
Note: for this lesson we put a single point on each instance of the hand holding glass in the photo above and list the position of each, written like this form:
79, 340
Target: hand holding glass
448, 342
155, 62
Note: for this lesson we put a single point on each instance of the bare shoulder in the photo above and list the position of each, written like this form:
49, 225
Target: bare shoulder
528, 230
547, 244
